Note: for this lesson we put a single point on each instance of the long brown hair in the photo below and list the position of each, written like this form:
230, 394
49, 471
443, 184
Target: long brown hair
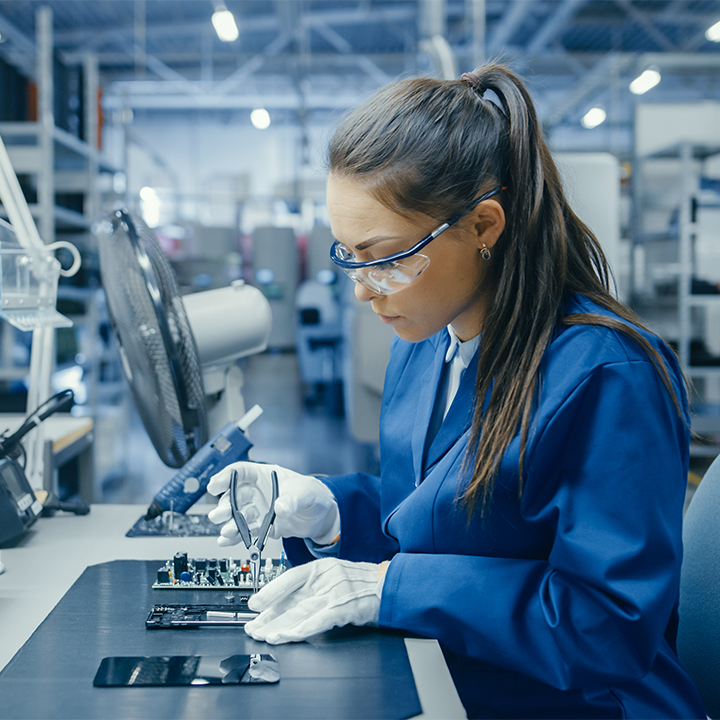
431, 146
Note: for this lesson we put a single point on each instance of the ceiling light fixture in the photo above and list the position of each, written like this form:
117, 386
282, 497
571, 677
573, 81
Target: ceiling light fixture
594, 117
713, 32
260, 118
224, 23
646, 81
150, 206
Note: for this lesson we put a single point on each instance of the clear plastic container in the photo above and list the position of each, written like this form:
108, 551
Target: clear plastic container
28, 285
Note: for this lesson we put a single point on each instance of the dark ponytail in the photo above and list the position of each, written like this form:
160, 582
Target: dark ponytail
431, 146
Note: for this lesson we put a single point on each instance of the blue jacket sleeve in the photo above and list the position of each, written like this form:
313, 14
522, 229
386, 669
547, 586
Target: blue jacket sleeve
605, 474
358, 498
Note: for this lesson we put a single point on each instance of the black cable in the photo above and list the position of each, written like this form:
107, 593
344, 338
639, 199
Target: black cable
24, 456
10, 446
52, 504
59, 401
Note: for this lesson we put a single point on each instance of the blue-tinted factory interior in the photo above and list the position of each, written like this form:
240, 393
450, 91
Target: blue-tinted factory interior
182, 291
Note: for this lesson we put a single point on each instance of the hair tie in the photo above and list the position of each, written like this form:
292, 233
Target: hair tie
475, 83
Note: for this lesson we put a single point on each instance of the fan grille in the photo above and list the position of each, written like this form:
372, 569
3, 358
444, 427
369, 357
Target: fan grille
160, 358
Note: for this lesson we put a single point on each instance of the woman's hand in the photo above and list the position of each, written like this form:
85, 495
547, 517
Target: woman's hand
315, 597
305, 507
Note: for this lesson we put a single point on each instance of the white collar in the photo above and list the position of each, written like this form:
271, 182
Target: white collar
465, 350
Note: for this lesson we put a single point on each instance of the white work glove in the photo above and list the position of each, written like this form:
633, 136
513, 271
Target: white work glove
315, 597
305, 507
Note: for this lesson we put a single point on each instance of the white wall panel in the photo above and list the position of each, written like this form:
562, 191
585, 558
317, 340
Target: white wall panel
659, 126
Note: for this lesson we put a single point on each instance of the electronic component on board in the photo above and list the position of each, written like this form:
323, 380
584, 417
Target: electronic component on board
179, 564
184, 573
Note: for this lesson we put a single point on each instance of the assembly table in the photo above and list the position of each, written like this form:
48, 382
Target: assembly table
48, 560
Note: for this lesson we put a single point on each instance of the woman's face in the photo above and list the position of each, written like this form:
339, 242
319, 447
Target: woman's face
449, 291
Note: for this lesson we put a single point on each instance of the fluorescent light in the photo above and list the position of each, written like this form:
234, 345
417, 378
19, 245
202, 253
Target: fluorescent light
150, 206
713, 32
593, 118
648, 80
224, 24
260, 118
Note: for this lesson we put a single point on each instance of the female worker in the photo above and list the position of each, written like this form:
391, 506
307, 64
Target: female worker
534, 436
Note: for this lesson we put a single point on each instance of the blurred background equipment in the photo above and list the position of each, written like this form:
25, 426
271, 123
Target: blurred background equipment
319, 302
218, 144
277, 273
19, 507
29, 274
157, 348
184, 395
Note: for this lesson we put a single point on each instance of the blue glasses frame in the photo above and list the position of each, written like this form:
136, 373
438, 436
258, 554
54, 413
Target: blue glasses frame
350, 264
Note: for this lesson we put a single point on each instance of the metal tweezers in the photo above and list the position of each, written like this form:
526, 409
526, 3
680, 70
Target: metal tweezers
254, 546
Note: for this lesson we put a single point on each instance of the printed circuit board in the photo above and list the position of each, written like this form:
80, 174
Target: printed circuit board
191, 616
183, 573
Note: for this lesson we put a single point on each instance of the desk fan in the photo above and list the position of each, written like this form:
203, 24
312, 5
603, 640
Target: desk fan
178, 355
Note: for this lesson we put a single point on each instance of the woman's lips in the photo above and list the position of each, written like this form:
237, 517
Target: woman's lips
389, 319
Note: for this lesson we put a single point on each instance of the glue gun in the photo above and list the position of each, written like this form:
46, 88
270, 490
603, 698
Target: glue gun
190, 482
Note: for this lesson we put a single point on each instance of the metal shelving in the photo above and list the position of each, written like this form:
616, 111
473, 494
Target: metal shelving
61, 177
679, 308
60, 162
75, 169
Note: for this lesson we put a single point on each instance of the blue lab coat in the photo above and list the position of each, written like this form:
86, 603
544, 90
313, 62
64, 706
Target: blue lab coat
561, 603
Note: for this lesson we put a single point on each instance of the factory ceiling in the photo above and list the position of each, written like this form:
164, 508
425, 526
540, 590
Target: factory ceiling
315, 56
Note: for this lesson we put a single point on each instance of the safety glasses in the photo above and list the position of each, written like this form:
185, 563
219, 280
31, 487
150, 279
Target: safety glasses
387, 275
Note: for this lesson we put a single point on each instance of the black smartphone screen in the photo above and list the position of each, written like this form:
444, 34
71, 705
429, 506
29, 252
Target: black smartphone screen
161, 670
186, 670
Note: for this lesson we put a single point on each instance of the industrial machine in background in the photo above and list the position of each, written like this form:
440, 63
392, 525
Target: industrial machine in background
319, 332
319, 340
276, 261
179, 356
19, 508
19, 504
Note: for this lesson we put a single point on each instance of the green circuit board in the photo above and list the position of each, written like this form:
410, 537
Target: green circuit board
184, 573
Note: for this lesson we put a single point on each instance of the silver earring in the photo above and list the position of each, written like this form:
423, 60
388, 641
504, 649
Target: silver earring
485, 252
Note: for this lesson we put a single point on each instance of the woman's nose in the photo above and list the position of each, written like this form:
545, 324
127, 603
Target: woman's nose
363, 293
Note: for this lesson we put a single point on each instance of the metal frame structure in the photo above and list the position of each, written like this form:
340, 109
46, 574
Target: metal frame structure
39, 242
308, 59
303, 56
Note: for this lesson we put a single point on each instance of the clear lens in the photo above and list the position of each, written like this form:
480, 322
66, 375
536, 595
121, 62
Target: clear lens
390, 277
343, 253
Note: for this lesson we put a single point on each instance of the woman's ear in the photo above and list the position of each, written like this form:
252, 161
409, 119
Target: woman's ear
488, 222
